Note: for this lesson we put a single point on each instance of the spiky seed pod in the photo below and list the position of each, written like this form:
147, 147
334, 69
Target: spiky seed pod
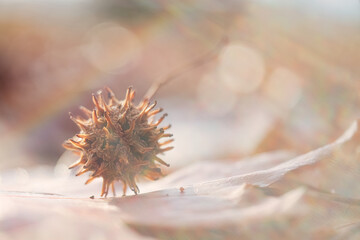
118, 141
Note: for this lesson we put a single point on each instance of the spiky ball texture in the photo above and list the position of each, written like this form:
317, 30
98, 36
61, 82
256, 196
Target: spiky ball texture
119, 141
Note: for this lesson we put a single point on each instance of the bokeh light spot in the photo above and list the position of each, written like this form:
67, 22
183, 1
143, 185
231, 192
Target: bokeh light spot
241, 68
284, 87
214, 96
111, 48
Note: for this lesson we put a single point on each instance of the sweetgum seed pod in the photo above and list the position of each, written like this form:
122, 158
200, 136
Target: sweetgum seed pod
118, 142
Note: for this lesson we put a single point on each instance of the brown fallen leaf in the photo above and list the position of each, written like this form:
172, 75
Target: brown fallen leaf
274, 201
268, 196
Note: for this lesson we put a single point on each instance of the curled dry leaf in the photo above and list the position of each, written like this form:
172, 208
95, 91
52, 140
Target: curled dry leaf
311, 196
269, 196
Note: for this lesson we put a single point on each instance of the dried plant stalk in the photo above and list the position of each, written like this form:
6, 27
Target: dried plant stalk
118, 141
197, 62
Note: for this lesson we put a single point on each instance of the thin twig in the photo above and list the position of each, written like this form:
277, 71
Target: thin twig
201, 60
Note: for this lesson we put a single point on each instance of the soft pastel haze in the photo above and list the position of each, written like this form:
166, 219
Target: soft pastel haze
257, 124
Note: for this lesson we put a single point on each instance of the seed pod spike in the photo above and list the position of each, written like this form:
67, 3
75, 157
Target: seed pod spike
150, 108
89, 162
81, 125
95, 119
109, 92
86, 111
75, 164
107, 188
161, 161
96, 102
78, 163
89, 180
127, 97
161, 119
103, 187
143, 103
83, 158
155, 112
76, 144
166, 135
110, 124
167, 127
131, 128
98, 172
113, 189
166, 149
124, 188
80, 119
132, 95
78, 122
108, 134
137, 189
147, 129
107, 109
111, 96
144, 109
69, 146
82, 135
143, 150
82, 171
166, 142
128, 93
77, 152
133, 186
100, 98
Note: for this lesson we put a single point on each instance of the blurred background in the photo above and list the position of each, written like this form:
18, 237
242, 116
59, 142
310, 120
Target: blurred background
287, 78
